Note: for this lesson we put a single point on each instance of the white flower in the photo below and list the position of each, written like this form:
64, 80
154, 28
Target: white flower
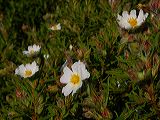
46, 56
32, 50
56, 27
73, 78
131, 20
27, 70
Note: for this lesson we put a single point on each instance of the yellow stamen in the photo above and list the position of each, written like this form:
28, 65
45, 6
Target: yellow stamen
132, 22
28, 73
75, 79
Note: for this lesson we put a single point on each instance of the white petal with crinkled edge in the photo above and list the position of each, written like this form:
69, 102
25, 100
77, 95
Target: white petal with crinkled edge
133, 14
29, 67
75, 67
20, 70
17, 71
77, 87
125, 14
67, 89
66, 76
122, 21
79, 67
141, 17
84, 73
36, 47
34, 67
125, 24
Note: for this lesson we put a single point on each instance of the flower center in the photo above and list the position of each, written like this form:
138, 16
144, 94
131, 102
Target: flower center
32, 52
28, 73
132, 22
75, 79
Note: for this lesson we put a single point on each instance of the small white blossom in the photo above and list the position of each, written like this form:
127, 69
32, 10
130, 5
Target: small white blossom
56, 27
27, 70
46, 56
73, 78
131, 20
32, 50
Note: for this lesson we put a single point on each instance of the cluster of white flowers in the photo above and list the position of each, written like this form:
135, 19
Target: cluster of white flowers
73, 77
29, 70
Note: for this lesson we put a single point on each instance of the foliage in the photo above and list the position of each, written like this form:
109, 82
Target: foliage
124, 64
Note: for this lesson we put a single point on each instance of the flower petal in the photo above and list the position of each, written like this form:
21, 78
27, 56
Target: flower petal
29, 66
66, 76
34, 46
124, 23
34, 67
17, 71
119, 17
133, 14
127, 25
75, 67
20, 70
76, 88
125, 14
141, 17
67, 89
79, 67
25, 52
30, 48
123, 20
